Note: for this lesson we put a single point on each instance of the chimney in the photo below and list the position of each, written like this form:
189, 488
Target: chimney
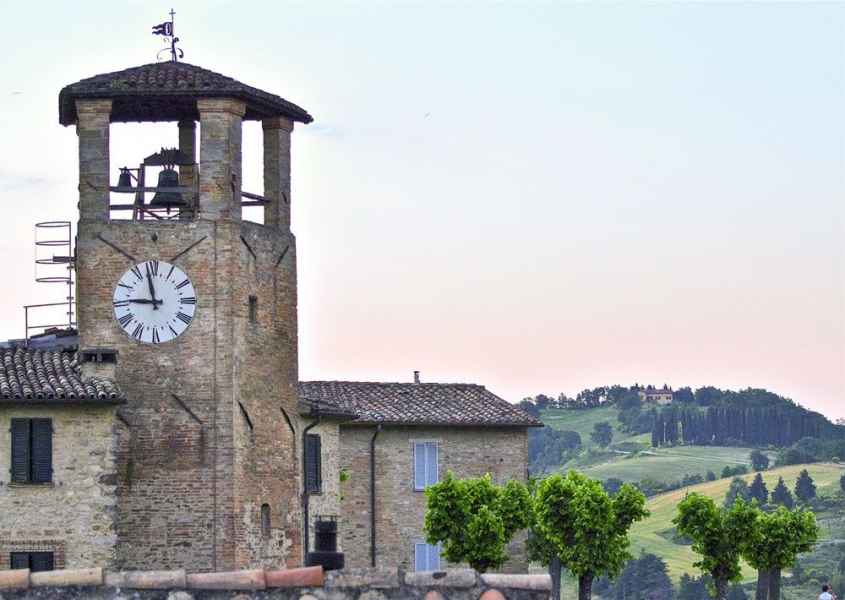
416, 376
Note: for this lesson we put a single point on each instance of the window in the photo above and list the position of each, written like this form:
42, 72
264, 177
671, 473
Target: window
265, 521
34, 561
426, 557
425, 464
313, 466
253, 309
32, 450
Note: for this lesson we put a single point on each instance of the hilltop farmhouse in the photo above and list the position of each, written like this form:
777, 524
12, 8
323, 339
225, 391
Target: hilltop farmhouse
174, 431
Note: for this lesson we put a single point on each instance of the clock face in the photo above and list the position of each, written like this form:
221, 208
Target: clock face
154, 302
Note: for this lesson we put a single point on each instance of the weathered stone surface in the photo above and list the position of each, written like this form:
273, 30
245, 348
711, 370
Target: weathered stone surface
233, 580
491, 595
433, 595
92, 128
304, 577
179, 595
74, 517
67, 577
146, 580
455, 578
517, 581
466, 451
277, 132
358, 578
14, 580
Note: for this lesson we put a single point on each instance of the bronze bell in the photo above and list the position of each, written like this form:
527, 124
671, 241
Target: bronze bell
125, 179
167, 178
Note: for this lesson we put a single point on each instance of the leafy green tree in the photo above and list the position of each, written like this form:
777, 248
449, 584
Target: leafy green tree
781, 495
758, 490
716, 535
759, 461
694, 588
775, 542
711, 476
474, 519
576, 521
602, 434
738, 490
805, 489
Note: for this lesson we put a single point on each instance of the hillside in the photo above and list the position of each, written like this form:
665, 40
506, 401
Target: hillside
654, 533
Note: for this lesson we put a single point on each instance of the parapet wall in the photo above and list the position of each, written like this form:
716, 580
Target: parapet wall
290, 584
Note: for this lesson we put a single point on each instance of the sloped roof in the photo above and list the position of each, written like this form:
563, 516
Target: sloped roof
50, 376
447, 404
167, 91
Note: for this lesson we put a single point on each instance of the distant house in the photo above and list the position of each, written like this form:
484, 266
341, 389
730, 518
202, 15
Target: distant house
405, 437
655, 395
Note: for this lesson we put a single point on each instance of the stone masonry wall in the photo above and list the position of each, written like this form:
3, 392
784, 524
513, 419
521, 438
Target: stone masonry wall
468, 452
74, 516
327, 502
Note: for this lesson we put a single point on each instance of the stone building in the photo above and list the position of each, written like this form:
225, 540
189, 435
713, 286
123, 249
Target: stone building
406, 436
179, 434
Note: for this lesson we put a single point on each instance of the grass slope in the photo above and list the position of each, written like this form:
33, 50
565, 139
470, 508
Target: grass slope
649, 535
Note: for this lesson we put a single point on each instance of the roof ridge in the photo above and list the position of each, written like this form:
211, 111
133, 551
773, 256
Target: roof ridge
421, 383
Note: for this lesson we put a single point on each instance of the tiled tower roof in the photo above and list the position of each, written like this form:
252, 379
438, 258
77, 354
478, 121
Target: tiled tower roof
167, 91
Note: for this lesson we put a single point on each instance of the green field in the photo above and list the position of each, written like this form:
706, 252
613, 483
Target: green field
650, 534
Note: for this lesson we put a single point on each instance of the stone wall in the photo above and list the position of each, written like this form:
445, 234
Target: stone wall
327, 502
73, 517
296, 584
468, 452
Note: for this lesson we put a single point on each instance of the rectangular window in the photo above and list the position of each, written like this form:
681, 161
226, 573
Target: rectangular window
32, 450
253, 309
425, 464
34, 561
313, 464
426, 557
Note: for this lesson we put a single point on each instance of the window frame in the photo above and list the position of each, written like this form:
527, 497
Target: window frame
38, 451
427, 559
431, 473
31, 557
314, 486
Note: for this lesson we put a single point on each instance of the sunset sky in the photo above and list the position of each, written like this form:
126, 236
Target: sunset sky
539, 197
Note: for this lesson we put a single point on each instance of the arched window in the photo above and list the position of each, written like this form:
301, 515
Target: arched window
265, 521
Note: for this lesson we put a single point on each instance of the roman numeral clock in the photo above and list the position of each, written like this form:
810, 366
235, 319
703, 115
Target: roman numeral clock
154, 302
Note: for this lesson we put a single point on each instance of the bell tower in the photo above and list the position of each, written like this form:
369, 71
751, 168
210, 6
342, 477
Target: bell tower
199, 308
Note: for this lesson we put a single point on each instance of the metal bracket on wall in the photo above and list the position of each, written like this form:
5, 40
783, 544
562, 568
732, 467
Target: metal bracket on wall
188, 249
116, 248
282, 256
187, 409
122, 419
248, 247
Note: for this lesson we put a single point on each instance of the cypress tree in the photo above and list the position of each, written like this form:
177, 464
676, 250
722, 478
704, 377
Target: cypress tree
758, 490
781, 495
805, 489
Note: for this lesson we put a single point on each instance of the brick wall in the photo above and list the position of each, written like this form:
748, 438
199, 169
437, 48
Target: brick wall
468, 452
74, 515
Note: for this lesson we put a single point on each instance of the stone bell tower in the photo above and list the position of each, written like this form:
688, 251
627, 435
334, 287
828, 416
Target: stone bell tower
208, 477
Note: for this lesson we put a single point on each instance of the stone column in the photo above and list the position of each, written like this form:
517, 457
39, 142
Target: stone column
92, 128
220, 157
277, 171
188, 145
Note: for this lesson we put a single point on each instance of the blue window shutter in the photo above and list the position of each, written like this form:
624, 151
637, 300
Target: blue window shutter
420, 557
419, 466
42, 450
19, 560
21, 453
434, 557
313, 468
431, 463
41, 561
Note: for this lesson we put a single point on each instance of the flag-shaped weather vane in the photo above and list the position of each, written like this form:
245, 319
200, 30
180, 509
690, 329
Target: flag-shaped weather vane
166, 29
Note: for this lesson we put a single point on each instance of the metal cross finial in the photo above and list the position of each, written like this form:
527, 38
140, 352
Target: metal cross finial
166, 29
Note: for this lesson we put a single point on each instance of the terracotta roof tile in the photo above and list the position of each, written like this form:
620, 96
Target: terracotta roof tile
448, 404
49, 376
167, 91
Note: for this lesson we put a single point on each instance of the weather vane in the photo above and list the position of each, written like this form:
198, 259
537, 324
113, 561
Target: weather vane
166, 29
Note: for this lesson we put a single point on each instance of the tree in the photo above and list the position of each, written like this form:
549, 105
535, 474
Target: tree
842, 483
737, 593
717, 535
602, 434
738, 490
775, 542
711, 476
576, 521
758, 490
643, 578
805, 489
781, 495
759, 461
694, 588
474, 519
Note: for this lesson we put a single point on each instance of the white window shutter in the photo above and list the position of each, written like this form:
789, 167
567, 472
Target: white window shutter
431, 463
420, 557
433, 557
419, 466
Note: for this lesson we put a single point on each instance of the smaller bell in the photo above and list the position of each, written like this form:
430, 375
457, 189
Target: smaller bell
167, 178
125, 179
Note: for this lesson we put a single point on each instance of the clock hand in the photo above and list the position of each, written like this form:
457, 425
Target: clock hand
152, 289
155, 303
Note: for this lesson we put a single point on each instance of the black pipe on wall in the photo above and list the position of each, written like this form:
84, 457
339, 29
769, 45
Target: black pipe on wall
373, 496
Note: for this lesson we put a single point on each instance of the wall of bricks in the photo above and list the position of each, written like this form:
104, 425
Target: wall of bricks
327, 502
468, 452
74, 517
